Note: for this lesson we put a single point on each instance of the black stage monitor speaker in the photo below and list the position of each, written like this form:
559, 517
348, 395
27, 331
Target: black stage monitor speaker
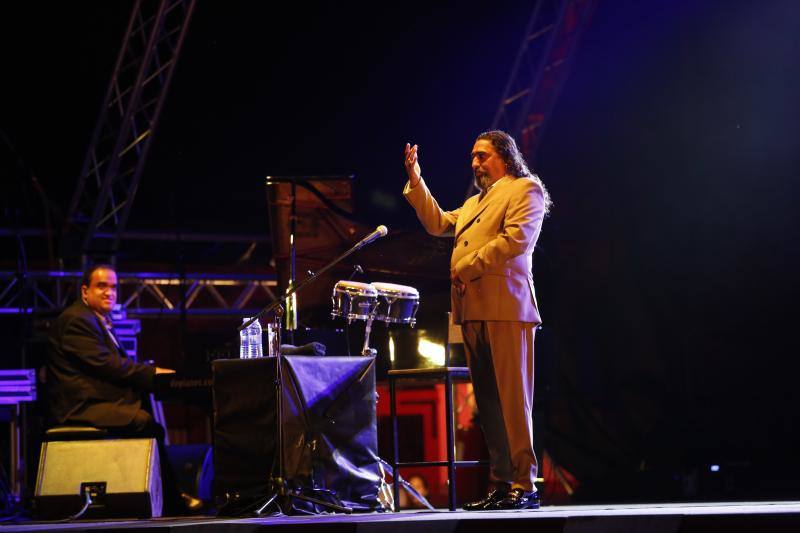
122, 475
330, 445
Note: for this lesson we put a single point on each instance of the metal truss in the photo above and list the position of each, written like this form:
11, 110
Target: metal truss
143, 294
541, 67
125, 127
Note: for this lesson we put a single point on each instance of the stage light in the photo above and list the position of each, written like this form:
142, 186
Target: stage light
715, 468
431, 351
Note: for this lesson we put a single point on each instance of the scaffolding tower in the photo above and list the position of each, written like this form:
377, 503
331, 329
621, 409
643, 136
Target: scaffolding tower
540, 70
124, 129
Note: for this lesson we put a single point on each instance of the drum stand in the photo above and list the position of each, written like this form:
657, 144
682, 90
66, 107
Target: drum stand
368, 329
367, 351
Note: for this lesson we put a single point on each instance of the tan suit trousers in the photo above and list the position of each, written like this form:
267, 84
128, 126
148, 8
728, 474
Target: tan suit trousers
500, 358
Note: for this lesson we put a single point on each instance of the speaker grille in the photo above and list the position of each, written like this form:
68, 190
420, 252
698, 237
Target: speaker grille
129, 467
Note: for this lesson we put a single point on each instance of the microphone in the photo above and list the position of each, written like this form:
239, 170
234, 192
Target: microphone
379, 232
356, 270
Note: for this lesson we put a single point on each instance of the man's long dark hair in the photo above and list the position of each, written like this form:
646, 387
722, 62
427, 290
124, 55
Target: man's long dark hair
515, 163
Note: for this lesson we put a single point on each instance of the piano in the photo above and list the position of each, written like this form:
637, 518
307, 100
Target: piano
193, 388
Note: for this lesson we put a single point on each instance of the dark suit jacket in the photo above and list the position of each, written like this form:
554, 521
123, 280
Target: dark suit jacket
89, 379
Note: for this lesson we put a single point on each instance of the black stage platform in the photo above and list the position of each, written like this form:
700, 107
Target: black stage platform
651, 518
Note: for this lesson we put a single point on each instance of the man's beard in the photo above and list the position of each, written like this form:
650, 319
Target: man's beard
482, 181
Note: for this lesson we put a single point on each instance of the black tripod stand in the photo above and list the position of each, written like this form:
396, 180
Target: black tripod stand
280, 494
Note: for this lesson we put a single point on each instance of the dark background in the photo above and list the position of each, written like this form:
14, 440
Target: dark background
667, 273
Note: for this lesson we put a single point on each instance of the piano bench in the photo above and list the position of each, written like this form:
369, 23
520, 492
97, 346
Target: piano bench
83, 432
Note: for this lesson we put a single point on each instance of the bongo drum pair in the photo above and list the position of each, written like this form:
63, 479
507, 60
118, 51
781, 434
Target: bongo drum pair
384, 302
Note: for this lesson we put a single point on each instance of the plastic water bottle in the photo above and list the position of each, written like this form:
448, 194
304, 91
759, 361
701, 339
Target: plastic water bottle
244, 341
254, 334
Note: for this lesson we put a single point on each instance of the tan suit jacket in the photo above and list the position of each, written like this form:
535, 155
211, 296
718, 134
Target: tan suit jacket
493, 249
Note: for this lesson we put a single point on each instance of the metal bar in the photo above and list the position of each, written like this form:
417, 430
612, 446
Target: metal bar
539, 33
52, 289
59, 295
8, 287
160, 295
291, 301
37, 291
135, 142
144, 312
395, 445
158, 71
164, 278
267, 290
451, 439
15, 457
140, 235
514, 97
441, 463
134, 296
192, 293
112, 213
158, 415
217, 296
245, 296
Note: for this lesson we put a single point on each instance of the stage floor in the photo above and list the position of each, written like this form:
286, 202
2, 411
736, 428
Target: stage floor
634, 518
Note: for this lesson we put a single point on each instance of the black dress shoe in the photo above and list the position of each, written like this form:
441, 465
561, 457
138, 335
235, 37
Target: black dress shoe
484, 503
516, 499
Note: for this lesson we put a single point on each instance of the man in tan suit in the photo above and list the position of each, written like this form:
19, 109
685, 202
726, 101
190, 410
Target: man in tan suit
492, 297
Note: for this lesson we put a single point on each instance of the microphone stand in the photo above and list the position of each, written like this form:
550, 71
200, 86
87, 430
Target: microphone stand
280, 491
295, 288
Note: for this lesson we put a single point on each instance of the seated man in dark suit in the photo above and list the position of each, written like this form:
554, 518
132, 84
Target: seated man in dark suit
91, 380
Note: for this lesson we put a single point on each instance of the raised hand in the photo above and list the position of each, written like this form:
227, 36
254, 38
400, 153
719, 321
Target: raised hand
412, 164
